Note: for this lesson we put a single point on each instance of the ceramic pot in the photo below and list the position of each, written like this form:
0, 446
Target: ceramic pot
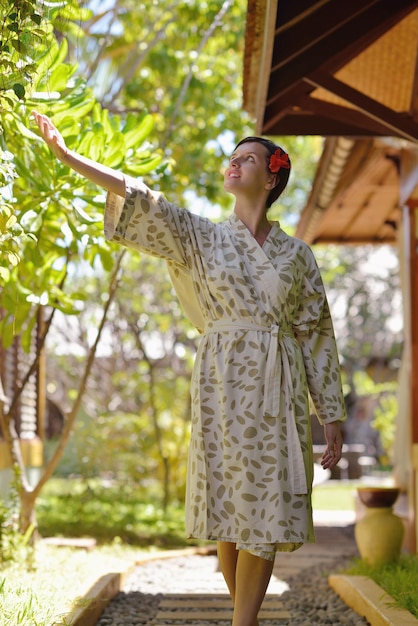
379, 534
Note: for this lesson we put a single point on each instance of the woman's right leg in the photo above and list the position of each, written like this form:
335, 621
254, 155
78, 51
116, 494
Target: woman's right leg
247, 577
228, 556
252, 577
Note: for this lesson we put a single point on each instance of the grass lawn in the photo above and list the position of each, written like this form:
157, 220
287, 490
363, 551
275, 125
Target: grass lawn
77, 508
399, 580
54, 584
335, 495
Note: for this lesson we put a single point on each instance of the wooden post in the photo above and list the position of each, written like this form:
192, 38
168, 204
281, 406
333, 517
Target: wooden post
40, 378
412, 205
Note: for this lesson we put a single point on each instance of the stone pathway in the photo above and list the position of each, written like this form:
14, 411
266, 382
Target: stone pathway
190, 590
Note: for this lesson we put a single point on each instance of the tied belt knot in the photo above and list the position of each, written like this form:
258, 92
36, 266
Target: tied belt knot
278, 379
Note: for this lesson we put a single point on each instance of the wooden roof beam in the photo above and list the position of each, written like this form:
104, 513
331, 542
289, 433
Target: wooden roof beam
293, 36
341, 46
395, 123
351, 121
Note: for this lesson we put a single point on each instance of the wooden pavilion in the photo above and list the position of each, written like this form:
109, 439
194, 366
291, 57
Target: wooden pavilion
349, 71
23, 401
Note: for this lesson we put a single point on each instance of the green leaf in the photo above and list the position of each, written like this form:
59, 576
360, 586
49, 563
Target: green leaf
57, 55
63, 302
20, 47
19, 90
92, 146
144, 166
82, 215
13, 27
11, 222
115, 150
79, 111
13, 258
26, 132
36, 18
4, 274
60, 76
26, 337
137, 135
7, 333
106, 258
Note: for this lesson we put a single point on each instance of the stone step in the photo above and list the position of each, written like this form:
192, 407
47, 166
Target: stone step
211, 608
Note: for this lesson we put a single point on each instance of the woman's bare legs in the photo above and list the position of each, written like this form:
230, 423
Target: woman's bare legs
247, 577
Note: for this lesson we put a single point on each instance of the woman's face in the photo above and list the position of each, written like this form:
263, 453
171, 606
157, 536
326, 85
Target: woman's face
248, 171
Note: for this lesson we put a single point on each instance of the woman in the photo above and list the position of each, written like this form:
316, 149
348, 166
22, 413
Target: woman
257, 298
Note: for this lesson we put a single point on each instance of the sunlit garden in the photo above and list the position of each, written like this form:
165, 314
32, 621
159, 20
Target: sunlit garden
96, 354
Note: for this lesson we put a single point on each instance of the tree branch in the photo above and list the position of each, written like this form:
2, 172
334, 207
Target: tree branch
208, 34
71, 416
133, 62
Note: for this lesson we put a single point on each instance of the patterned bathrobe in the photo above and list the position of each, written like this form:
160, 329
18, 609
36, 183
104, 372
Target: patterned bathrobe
267, 341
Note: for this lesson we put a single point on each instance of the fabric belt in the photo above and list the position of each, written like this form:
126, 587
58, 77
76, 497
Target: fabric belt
281, 346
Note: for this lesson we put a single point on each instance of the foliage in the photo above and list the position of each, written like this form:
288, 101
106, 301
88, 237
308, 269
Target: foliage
26, 25
49, 233
368, 324
14, 547
137, 404
48, 199
78, 507
398, 579
368, 327
24, 44
183, 61
385, 410
385, 423
20, 32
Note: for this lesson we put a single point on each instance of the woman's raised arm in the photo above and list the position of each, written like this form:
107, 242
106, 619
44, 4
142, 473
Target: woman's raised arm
101, 175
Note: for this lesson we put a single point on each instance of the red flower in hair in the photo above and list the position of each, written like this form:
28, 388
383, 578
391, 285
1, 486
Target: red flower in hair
278, 160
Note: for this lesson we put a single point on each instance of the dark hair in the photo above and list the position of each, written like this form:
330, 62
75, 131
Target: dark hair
284, 174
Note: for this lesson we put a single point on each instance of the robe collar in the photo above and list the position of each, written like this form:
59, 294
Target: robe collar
242, 231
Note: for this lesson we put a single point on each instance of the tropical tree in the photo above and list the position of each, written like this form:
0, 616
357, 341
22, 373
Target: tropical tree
46, 231
137, 402
363, 284
368, 323
183, 62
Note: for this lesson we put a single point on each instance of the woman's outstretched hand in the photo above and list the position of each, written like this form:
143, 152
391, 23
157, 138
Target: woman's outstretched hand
101, 175
334, 447
51, 135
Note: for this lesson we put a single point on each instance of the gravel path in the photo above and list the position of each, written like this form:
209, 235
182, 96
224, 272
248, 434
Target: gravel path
306, 595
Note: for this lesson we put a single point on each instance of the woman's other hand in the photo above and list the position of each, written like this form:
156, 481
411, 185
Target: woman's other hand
334, 447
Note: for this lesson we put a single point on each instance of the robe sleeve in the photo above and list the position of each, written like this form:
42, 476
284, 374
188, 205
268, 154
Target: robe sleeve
146, 221
312, 325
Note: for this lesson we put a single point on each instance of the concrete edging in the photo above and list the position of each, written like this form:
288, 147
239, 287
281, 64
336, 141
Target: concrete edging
369, 600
